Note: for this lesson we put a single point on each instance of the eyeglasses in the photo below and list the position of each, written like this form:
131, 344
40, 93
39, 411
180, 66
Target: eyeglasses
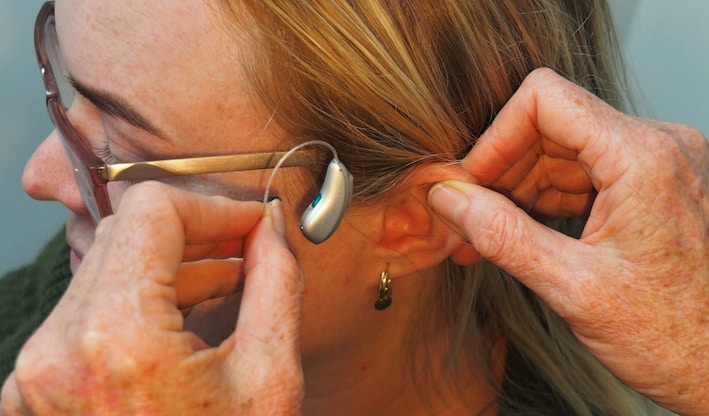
92, 173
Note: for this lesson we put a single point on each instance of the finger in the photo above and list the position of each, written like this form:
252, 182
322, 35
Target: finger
555, 204
11, 401
216, 250
147, 235
554, 180
525, 181
269, 319
515, 173
204, 219
550, 108
273, 288
561, 174
138, 253
208, 279
505, 235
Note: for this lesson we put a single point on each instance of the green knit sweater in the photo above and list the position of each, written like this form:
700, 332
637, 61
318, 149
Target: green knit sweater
29, 294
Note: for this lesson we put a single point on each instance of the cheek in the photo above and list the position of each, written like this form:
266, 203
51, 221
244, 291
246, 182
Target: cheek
332, 308
340, 288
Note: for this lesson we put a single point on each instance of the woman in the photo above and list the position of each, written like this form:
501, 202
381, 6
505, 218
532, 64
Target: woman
401, 90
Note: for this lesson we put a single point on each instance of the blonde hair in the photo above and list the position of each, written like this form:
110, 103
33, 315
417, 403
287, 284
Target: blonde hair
394, 84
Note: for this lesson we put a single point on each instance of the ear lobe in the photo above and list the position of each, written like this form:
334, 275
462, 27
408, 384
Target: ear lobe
413, 237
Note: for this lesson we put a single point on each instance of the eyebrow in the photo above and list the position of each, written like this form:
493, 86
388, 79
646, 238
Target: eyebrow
115, 106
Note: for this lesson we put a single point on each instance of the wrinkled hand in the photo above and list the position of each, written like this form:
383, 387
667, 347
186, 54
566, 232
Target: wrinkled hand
115, 343
635, 287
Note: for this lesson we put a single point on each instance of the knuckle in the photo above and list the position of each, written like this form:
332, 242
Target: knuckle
694, 139
688, 132
147, 201
104, 359
152, 192
683, 146
681, 134
142, 188
541, 75
104, 226
28, 369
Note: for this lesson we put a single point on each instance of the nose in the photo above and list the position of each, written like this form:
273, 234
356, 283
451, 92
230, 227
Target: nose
49, 176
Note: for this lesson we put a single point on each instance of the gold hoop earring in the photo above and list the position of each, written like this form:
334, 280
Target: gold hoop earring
384, 296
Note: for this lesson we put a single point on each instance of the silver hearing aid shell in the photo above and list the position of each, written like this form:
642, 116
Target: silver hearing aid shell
321, 218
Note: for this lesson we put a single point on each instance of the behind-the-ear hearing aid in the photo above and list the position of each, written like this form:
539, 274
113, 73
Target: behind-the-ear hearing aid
322, 216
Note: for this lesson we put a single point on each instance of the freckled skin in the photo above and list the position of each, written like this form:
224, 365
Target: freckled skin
171, 64
107, 365
633, 285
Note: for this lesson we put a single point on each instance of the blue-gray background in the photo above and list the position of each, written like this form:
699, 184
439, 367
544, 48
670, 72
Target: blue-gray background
667, 44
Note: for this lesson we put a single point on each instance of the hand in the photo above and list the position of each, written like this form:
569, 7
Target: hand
115, 343
635, 286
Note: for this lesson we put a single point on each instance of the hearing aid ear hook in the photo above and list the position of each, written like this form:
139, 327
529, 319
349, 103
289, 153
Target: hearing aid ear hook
322, 216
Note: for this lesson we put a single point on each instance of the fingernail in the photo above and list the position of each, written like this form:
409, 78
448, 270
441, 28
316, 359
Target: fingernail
270, 198
450, 199
275, 210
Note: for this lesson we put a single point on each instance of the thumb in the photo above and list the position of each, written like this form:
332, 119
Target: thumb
266, 350
541, 258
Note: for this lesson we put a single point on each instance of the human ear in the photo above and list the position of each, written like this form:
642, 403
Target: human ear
413, 237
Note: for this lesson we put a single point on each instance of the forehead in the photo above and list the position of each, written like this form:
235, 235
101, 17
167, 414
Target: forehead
169, 58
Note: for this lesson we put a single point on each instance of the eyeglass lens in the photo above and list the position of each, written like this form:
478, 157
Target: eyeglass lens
69, 137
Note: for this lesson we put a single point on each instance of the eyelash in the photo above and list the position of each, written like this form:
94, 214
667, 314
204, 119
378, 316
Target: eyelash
104, 153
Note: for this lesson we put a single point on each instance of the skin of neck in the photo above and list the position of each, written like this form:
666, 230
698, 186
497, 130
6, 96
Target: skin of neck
400, 367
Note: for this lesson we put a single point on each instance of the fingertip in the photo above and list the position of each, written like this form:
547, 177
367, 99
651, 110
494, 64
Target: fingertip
451, 199
274, 212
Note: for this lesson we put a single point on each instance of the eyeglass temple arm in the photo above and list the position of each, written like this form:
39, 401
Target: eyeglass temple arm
199, 165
